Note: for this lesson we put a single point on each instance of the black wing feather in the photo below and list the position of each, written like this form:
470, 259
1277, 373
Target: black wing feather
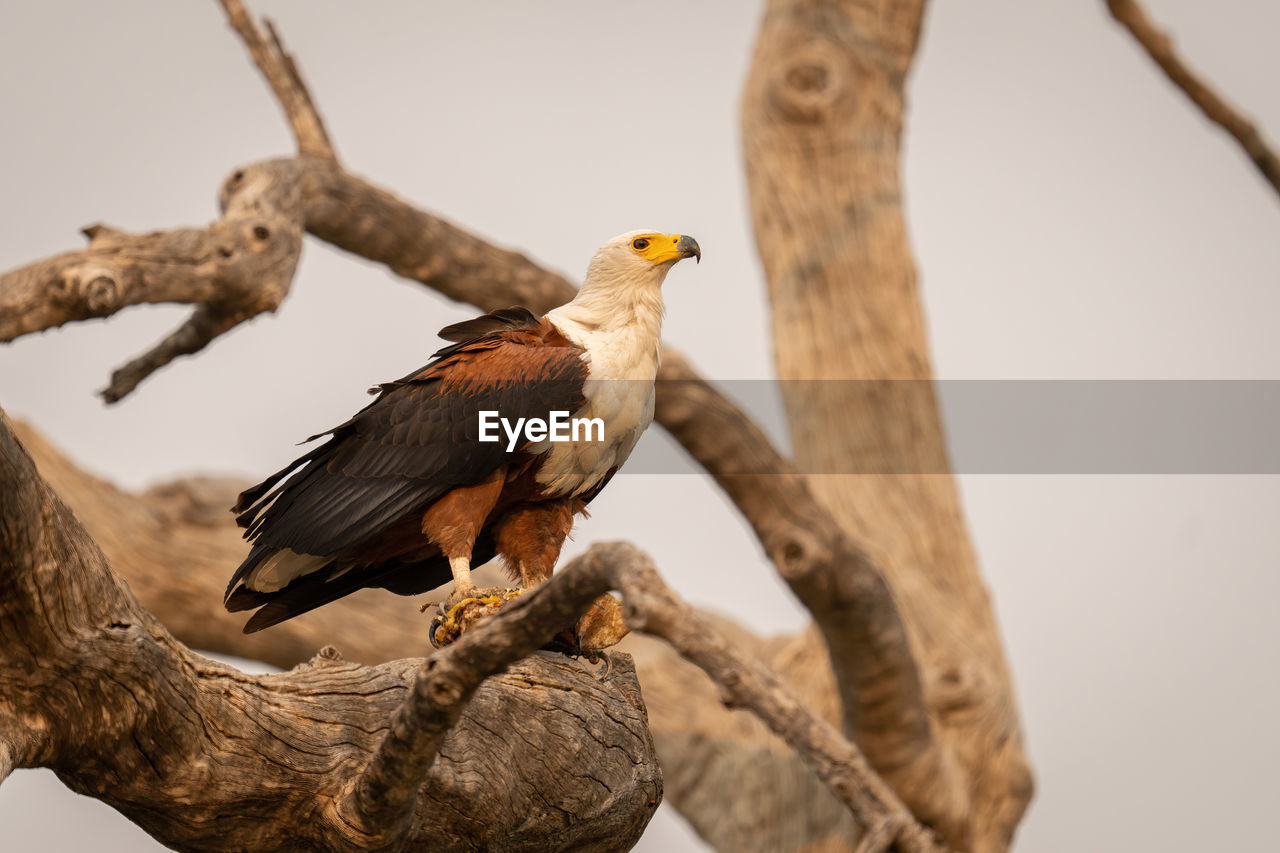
502, 320
402, 452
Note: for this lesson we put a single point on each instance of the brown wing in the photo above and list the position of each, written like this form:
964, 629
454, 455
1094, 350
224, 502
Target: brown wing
401, 453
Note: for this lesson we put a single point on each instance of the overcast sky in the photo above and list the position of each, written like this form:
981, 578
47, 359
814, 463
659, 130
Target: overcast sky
1072, 216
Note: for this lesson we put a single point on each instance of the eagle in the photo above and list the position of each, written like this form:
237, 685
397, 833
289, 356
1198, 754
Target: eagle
412, 491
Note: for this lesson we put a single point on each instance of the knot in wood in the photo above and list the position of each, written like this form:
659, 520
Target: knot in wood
260, 232
444, 690
102, 294
808, 83
94, 288
329, 653
793, 556
954, 687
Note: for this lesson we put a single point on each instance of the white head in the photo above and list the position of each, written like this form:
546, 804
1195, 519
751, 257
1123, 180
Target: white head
641, 257
624, 280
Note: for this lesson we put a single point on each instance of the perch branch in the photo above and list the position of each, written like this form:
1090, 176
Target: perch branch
204, 757
282, 75
885, 711
42, 540
385, 793
1159, 46
447, 679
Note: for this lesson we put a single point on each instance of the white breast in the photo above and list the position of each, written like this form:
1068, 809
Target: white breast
623, 364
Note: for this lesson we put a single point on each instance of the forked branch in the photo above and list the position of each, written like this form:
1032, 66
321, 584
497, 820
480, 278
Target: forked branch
232, 270
204, 757
834, 578
285, 80
385, 792
58, 587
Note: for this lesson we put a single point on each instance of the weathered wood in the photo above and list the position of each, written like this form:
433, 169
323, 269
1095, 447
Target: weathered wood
822, 127
232, 270
204, 757
904, 707
108, 694
285, 80
809, 547
185, 522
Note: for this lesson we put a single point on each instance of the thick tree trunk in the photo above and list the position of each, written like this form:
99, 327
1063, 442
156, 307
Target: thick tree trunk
822, 121
95, 688
204, 757
822, 129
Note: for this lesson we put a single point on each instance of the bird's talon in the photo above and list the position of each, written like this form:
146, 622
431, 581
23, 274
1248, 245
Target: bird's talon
455, 616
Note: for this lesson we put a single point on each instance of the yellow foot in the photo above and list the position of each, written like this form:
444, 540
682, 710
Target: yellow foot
457, 613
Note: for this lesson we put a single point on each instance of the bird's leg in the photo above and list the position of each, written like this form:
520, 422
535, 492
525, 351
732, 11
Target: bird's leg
453, 523
530, 537
463, 586
530, 575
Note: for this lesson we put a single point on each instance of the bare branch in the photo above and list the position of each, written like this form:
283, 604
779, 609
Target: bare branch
831, 575
652, 607
285, 81
85, 594
387, 789
199, 330
447, 679
879, 838
880, 686
1159, 46
234, 269
823, 115
207, 758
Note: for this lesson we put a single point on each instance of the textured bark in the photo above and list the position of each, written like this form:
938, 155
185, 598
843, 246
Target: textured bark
285, 80
232, 270
366, 766
186, 523
930, 721
204, 757
829, 572
822, 126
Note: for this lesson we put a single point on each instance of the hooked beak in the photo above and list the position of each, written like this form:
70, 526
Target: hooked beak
687, 247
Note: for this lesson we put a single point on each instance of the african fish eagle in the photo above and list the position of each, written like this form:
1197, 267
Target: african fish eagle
404, 494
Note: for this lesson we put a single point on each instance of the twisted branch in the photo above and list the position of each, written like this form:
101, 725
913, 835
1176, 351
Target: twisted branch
207, 758
834, 578
384, 794
63, 603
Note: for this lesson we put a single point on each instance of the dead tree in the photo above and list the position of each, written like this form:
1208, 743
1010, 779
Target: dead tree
95, 686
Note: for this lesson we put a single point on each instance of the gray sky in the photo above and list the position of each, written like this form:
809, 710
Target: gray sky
1073, 217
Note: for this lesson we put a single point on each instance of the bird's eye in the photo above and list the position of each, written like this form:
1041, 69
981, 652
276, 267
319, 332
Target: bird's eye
640, 244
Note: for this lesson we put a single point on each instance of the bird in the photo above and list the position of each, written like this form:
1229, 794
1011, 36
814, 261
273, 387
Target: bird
406, 496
